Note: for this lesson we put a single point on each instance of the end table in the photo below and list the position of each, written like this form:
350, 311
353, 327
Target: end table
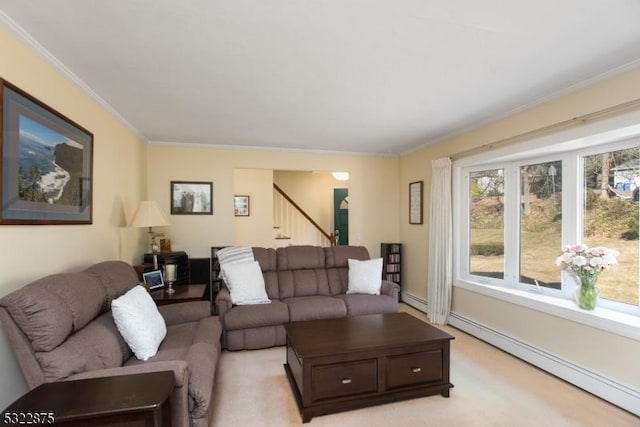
117, 400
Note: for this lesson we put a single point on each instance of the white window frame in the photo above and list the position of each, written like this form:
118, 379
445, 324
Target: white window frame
570, 147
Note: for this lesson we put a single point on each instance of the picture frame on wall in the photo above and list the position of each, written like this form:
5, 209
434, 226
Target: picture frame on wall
241, 205
191, 198
47, 163
415, 202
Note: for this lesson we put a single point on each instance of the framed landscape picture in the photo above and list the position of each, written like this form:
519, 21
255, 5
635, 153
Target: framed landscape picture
191, 198
47, 163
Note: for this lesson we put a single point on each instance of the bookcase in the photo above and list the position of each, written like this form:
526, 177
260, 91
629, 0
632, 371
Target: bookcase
391, 254
216, 282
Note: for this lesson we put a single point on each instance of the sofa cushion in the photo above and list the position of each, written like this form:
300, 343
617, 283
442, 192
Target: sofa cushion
301, 271
365, 277
301, 283
139, 322
50, 309
254, 316
246, 283
339, 256
315, 307
198, 343
116, 278
300, 258
337, 262
266, 257
96, 346
361, 304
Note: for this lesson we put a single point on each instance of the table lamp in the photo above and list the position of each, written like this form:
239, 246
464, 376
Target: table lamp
150, 215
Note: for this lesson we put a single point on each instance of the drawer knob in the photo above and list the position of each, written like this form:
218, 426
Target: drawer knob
346, 381
416, 370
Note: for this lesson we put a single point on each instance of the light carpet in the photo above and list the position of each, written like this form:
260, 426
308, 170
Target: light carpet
492, 388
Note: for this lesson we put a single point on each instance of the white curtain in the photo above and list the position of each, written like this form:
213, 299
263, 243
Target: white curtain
440, 275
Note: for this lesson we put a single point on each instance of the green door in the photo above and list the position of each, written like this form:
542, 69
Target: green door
341, 215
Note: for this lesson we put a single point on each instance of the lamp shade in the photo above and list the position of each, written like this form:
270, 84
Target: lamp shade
149, 214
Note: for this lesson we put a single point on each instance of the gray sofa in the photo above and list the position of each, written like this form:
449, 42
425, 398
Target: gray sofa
60, 327
303, 283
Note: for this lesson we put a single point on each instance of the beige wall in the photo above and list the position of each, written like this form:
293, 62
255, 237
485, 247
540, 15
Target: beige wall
553, 334
257, 228
373, 187
29, 252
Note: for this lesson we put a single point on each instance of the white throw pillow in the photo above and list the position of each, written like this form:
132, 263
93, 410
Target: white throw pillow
365, 277
139, 322
246, 283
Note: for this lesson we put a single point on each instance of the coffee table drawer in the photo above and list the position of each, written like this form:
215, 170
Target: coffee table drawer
415, 368
344, 379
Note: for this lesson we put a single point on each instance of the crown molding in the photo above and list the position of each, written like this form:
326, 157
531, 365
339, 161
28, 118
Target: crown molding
22, 35
275, 149
542, 100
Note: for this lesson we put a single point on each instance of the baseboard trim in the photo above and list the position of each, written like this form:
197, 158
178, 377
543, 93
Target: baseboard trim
413, 301
624, 396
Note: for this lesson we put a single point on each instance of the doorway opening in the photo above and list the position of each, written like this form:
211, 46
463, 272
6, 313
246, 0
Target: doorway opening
341, 215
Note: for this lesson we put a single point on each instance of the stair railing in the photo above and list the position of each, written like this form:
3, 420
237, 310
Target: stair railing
296, 223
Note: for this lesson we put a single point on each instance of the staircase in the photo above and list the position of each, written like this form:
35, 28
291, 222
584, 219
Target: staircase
293, 226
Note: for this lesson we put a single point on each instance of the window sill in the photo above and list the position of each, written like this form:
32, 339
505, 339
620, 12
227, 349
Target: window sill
622, 324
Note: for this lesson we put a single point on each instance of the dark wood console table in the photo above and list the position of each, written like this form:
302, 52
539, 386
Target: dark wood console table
137, 399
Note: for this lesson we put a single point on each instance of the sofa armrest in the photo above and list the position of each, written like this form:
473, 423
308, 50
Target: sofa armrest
185, 312
223, 302
390, 288
178, 367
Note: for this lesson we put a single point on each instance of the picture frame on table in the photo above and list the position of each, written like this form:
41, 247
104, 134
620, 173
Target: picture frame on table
415, 202
47, 163
191, 198
241, 205
153, 279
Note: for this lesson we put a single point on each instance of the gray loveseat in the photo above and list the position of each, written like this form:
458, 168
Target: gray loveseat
303, 283
61, 328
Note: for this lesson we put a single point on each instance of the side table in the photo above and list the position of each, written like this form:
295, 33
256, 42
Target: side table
183, 293
117, 400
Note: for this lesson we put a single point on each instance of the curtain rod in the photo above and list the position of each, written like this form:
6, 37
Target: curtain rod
556, 127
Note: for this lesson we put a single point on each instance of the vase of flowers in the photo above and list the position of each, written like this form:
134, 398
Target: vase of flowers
586, 264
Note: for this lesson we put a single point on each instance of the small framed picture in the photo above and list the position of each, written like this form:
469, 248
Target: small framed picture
153, 279
241, 205
191, 198
415, 202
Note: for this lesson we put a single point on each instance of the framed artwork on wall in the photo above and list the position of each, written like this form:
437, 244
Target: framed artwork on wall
415, 202
241, 205
191, 198
47, 163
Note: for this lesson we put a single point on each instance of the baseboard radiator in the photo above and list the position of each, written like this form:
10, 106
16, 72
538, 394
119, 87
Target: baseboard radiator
624, 396
621, 395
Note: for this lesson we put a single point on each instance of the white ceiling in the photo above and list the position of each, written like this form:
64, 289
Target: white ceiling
362, 76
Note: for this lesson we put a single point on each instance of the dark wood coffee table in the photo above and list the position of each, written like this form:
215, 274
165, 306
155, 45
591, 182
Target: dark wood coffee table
336, 365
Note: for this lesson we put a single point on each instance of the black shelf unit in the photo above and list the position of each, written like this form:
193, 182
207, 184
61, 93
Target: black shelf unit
216, 282
181, 259
391, 254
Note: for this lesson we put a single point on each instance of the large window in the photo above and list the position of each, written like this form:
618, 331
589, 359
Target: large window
540, 223
611, 182
519, 209
486, 220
